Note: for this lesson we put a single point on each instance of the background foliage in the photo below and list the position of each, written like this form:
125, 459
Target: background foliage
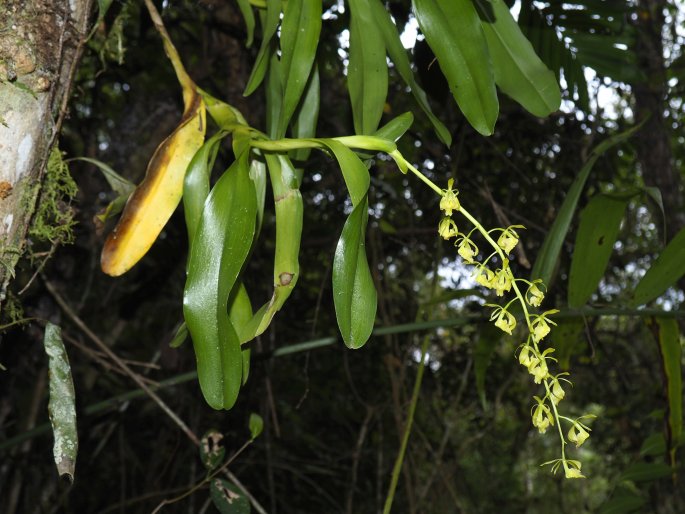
333, 417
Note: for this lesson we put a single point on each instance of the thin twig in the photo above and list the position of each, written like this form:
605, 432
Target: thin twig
141, 383
53, 247
407, 429
205, 480
122, 365
370, 411
100, 358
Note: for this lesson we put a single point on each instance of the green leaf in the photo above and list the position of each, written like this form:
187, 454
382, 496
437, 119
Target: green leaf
103, 7
227, 498
554, 52
274, 95
300, 31
519, 72
256, 425
212, 450
551, 248
453, 31
196, 182
600, 221
646, 471
395, 128
226, 116
119, 184
266, 49
307, 115
398, 55
653, 446
355, 173
180, 336
354, 293
220, 248
568, 340
622, 503
113, 208
240, 314
655, 194
666, 271
258, 176
289, 214
667, 335
367, 74
248, 16
488, 338
61, 405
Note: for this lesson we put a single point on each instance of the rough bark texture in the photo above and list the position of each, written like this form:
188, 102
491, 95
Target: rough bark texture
653, 142
39, 46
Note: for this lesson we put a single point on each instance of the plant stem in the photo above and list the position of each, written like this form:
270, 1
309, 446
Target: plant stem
397, 469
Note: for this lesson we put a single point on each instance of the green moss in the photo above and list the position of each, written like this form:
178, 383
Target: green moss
12, 311
53, 220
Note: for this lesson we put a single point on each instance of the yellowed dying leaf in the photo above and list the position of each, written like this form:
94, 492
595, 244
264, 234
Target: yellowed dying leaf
154, 200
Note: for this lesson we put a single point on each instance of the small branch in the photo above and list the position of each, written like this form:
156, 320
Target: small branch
141, 383
122, 365
397, 469
205, 480
370, 411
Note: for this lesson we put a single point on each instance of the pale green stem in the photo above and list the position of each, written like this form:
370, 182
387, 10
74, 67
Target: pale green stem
416, 172
397, 468
519, 295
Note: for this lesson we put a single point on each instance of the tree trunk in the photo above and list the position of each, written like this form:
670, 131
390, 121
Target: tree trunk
654, 140
40, 45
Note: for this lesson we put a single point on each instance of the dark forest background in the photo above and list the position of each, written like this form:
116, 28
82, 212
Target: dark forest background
333, 417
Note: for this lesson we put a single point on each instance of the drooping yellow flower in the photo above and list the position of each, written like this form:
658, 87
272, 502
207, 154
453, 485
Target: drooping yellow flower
508, 239
540, 371
505, 321
542, 416
577, 434
502, 281
525, 357
558, 392
541, 325
449, 201
534, 296
484, 277
572, 469
467, 250
447, 228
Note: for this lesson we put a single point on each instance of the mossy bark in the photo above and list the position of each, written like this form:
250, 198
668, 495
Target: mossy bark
38, 54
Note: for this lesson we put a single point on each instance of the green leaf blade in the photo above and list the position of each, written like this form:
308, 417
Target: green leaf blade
300, 31
196, 182
518, 70
367, 76
221, 245
354, 293
395, 128
248, 16
270, 25
600, 221
664, 272
453, 31
62, 403
398, 55
227, 498
548, 256
667, 335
